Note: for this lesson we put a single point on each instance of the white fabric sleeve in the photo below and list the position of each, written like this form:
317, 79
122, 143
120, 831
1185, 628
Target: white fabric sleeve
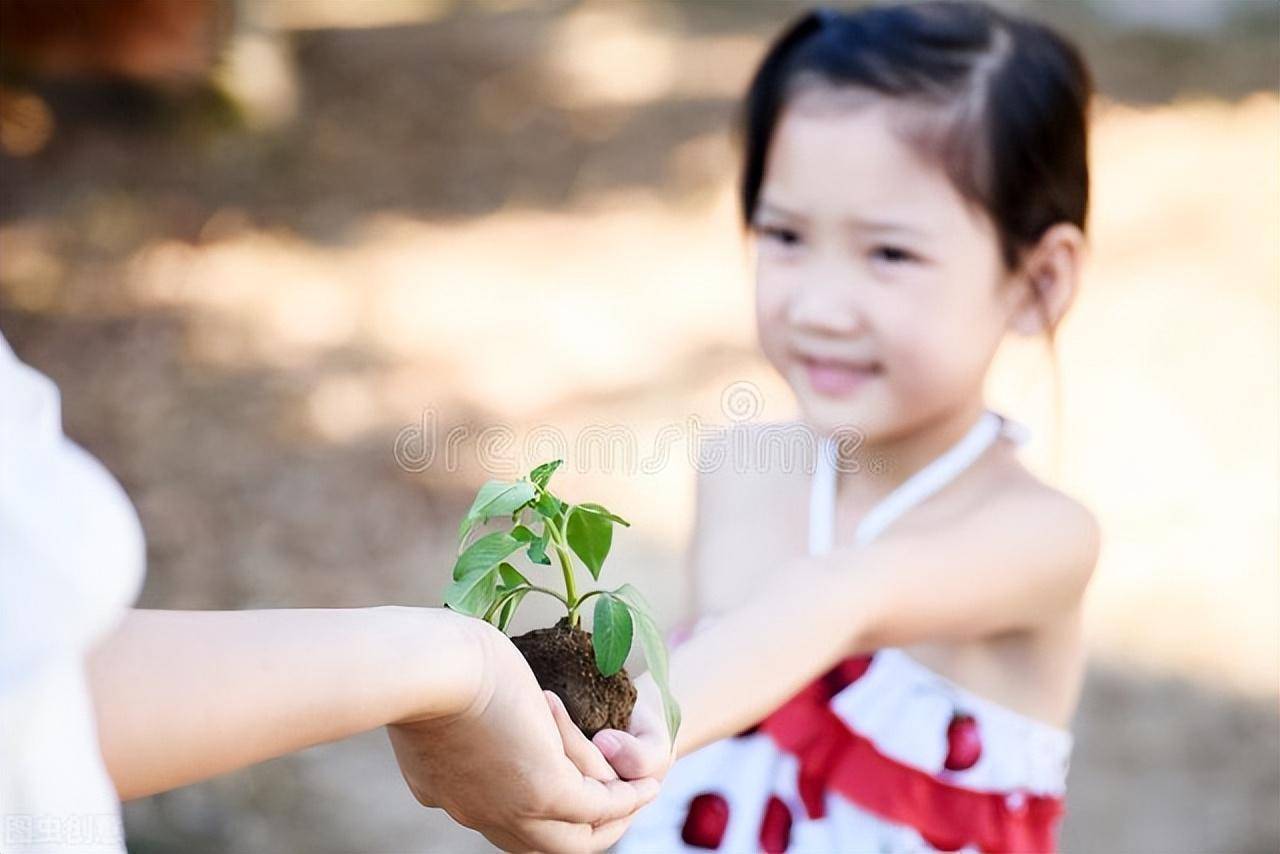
71, 562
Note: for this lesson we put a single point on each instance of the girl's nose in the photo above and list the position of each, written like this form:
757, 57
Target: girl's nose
820, 307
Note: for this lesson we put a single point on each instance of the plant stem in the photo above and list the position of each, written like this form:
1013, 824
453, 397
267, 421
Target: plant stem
571, 599
577, 606
566, 568
533, 589
526, 588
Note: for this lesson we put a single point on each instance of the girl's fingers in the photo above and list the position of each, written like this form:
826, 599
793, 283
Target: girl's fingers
631, 757
584, 755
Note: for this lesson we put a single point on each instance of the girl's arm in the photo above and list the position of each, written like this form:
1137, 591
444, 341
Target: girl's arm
185, 695
1012, 565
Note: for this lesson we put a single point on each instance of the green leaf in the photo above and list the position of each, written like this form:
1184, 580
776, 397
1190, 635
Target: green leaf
496, 498
474, 593
523, 534
543, 473
537, 550
512, 589
629, 594
596, 508
510, 576
548, 506
655, 654
508, 609
611, 634
485, 553
590, 535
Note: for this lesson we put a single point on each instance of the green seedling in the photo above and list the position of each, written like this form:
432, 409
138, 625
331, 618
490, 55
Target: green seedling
486, 583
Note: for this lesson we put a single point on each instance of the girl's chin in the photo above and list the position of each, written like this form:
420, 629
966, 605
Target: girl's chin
827, 417
827, 413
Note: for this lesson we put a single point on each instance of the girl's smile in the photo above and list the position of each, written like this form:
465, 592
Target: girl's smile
836, 378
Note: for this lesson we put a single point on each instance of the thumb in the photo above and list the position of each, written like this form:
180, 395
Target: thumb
632, 757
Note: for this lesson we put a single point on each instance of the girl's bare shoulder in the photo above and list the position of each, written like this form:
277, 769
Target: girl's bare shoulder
1016, 484
1000, 502
1060, 528
756, 478
751, 511
749, 460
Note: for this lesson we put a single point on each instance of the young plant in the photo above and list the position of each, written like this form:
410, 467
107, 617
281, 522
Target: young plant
487, 585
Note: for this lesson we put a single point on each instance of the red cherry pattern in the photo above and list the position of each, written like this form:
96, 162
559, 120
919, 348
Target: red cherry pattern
775, 828
964, 742
708, 816
705, 824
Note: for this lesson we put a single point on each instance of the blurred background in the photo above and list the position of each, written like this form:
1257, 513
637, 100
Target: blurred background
299, 266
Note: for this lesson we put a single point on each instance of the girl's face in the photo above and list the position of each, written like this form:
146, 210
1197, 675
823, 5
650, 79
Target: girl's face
880, 294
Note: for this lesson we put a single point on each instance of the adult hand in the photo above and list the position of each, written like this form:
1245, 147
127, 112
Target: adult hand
514, 767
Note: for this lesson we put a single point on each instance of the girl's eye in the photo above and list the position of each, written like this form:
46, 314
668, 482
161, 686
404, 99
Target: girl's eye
780, 234
893, 255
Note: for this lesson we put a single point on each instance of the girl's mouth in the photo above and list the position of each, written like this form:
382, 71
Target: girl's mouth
833, 378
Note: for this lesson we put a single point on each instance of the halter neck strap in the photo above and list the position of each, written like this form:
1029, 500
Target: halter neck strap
942, 470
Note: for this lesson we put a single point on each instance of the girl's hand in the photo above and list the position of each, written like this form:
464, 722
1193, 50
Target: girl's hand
645, 750
512, 768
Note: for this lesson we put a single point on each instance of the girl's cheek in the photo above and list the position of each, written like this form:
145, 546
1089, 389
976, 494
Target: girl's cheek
770, 292
771, 317
937, 359
917, 343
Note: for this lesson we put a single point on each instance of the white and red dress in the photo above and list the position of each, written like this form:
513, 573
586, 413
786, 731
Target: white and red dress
881, 754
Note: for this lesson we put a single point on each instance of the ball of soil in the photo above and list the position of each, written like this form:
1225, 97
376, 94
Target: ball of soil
564, 662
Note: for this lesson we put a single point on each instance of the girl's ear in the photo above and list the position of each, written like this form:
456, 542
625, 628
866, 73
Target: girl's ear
1046, 285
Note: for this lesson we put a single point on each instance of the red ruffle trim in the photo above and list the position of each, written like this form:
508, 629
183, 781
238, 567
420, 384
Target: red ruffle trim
833, 757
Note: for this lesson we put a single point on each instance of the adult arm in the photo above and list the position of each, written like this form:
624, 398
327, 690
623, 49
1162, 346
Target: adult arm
184, 695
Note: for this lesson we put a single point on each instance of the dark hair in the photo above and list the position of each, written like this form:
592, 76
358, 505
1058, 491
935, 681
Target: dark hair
1009, 99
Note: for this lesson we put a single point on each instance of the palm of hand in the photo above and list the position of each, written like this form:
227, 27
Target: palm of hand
509, 768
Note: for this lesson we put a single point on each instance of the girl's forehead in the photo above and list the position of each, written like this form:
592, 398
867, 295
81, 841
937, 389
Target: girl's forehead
844, 154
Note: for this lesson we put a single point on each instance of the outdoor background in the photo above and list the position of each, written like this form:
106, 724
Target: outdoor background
255, 242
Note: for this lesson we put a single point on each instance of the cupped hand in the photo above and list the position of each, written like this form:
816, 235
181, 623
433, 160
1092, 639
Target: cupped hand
513, 766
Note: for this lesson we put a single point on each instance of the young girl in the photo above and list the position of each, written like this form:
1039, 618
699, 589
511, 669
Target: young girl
889, 647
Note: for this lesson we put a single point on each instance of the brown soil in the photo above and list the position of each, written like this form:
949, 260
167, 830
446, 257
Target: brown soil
564, 662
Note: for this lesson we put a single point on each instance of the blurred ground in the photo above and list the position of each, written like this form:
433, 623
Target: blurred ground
497, 214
